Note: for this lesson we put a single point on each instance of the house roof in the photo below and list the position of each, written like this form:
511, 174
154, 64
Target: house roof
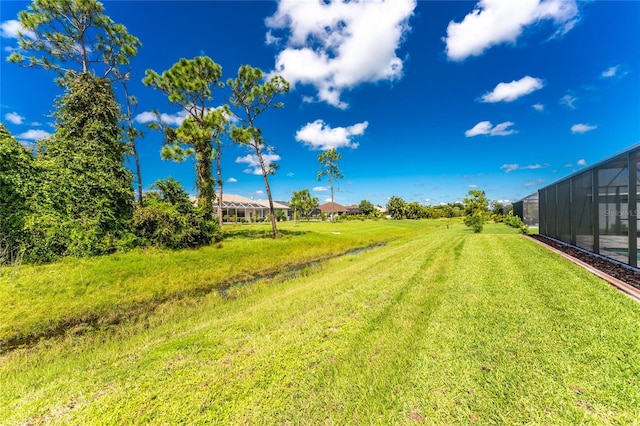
240, 202
332, 207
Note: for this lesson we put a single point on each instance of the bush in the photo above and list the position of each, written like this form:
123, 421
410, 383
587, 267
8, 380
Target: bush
515, 222
168, 219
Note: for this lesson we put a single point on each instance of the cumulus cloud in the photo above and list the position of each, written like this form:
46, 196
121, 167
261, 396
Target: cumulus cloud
170, 119
486, 128
495, 22
254, 165
582, 128
508, 168
582, 162
335, 46
320, 188
610, 72
473, 186
14, 117
569, 101
538, 107
320, 136
508, 92
33, 135
232, 180
13, 28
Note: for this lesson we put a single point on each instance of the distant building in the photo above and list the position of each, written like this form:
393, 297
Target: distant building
236, 208
527, 209
332, 208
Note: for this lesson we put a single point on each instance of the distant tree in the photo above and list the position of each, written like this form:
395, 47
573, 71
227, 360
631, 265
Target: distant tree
252, 96
397, 208
189, 83
84, 202
415, 210
329, 167
366, 207
303, 202
476, 210
16, 186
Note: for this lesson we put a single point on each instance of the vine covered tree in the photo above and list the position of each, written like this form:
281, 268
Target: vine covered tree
84, 201
189, 83
74, 37
252, 96
16, 185
329, 167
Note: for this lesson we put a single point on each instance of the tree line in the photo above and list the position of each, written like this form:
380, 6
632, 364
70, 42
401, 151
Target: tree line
71, 194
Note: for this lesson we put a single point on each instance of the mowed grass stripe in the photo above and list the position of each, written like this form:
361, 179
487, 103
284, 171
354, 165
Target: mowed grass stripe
445, 328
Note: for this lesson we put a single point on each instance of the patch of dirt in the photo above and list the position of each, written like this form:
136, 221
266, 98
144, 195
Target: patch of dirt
611, 268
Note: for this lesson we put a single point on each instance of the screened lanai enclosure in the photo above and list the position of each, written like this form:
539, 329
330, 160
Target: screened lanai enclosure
597, 209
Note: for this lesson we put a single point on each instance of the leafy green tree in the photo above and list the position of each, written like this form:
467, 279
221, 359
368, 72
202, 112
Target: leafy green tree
16, 185
303, 202
329, 167
397, 208
84, 202
415, 210
476, 210
252, 96
189, 83
73, 37
366, 207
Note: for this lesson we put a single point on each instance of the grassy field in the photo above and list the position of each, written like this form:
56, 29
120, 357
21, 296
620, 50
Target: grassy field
439, 326
83, 293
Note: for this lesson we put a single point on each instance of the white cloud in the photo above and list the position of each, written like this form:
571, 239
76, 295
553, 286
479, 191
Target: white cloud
232, 180
508, 92
582, 162
320, 136
320, 188
538, 107
170, 119
473, 186
338, 45
508, 168
569, 101
486, 128
534, 183
36, 123
34, 135
12, 28
582, 128
254, 165
259, 192
14, 117
611, 72
494, 22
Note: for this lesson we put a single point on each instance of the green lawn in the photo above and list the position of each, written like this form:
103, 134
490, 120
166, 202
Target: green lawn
440, 326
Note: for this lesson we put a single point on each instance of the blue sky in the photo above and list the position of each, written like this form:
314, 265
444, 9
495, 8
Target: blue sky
425, 100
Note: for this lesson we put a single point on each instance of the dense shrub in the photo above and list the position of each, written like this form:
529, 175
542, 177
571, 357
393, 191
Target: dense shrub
169, 219
515, 222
